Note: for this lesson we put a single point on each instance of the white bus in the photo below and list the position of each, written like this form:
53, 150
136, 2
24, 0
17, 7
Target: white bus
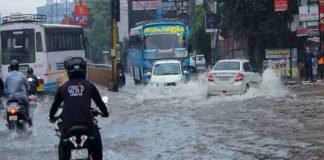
40, 46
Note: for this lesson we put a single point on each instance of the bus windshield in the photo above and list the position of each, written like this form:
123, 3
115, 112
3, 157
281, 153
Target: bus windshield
19, 45
161, 46
164, 41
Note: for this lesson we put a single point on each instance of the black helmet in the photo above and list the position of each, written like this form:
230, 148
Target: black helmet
30, 71
75, 67
14, 65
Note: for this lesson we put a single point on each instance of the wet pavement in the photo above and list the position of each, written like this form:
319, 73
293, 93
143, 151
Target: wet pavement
271, 122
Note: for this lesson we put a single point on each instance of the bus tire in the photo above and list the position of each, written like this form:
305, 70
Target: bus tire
192, 69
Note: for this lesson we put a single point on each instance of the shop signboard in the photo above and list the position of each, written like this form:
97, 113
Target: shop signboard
308, 13
145, 5
301, 31
282, 65
313, 35
280, 5
277, 53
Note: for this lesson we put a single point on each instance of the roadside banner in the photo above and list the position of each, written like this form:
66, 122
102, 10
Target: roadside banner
280, 5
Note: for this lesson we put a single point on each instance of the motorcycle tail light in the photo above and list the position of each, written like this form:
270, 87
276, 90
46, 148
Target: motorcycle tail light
12, 110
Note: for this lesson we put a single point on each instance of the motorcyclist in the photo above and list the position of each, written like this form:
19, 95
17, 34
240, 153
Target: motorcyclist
33, 81
121, 68
17, 86
76, 94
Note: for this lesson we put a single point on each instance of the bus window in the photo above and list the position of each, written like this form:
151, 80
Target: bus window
39, 46
64, 39
19, 45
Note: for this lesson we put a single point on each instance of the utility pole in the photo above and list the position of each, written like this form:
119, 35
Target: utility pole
56, 12
115, 18
66, 8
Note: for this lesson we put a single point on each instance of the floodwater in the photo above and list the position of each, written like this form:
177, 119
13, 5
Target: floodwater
149, 122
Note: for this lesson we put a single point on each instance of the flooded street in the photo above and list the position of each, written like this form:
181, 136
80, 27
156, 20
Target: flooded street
271, 122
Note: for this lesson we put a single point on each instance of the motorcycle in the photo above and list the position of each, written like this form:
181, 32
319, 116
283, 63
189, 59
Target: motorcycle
32, 95
16, 115
121, 78
78, 140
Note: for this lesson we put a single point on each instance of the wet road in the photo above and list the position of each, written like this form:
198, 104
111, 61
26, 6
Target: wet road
272, 122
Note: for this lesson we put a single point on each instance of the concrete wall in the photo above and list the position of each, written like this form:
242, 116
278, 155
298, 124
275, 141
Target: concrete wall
101, 76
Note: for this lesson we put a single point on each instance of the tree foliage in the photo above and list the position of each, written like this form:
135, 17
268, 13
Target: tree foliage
199, 37
257, 20
98, 31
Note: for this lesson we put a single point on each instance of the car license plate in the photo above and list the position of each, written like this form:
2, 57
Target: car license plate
79, 154
13, 118
224, 79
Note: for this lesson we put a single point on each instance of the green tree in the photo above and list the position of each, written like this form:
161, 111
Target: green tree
256, 20
98, 31
199, 38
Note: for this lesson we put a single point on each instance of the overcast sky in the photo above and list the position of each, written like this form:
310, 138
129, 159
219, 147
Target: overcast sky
22, 6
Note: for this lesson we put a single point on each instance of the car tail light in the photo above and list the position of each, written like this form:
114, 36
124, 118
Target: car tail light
239, 77
210, 77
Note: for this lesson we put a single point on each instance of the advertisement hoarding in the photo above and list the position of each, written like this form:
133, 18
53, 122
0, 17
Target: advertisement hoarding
145, 5
308, 13
277, 53
80, 13
280, 5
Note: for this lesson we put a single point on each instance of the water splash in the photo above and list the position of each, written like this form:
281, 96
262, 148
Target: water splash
196, 89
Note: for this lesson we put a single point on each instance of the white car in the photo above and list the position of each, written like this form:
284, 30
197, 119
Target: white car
197, 63
167, 73
232, 77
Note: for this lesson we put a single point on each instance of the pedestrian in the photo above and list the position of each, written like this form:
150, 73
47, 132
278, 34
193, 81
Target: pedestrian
309, 55
320, 63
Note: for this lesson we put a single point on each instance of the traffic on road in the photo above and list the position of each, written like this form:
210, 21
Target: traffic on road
133, 80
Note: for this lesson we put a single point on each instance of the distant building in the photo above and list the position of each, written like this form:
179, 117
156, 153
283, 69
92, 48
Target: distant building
0, 19
55, 12
146, 10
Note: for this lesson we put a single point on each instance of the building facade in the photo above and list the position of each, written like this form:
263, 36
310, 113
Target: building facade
56, 11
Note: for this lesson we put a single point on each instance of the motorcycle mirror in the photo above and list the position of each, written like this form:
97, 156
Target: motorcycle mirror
105, 99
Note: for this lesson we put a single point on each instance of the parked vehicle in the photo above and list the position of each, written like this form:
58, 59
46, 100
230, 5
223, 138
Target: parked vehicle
167, 73
197, 63
232, 77
16, 115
